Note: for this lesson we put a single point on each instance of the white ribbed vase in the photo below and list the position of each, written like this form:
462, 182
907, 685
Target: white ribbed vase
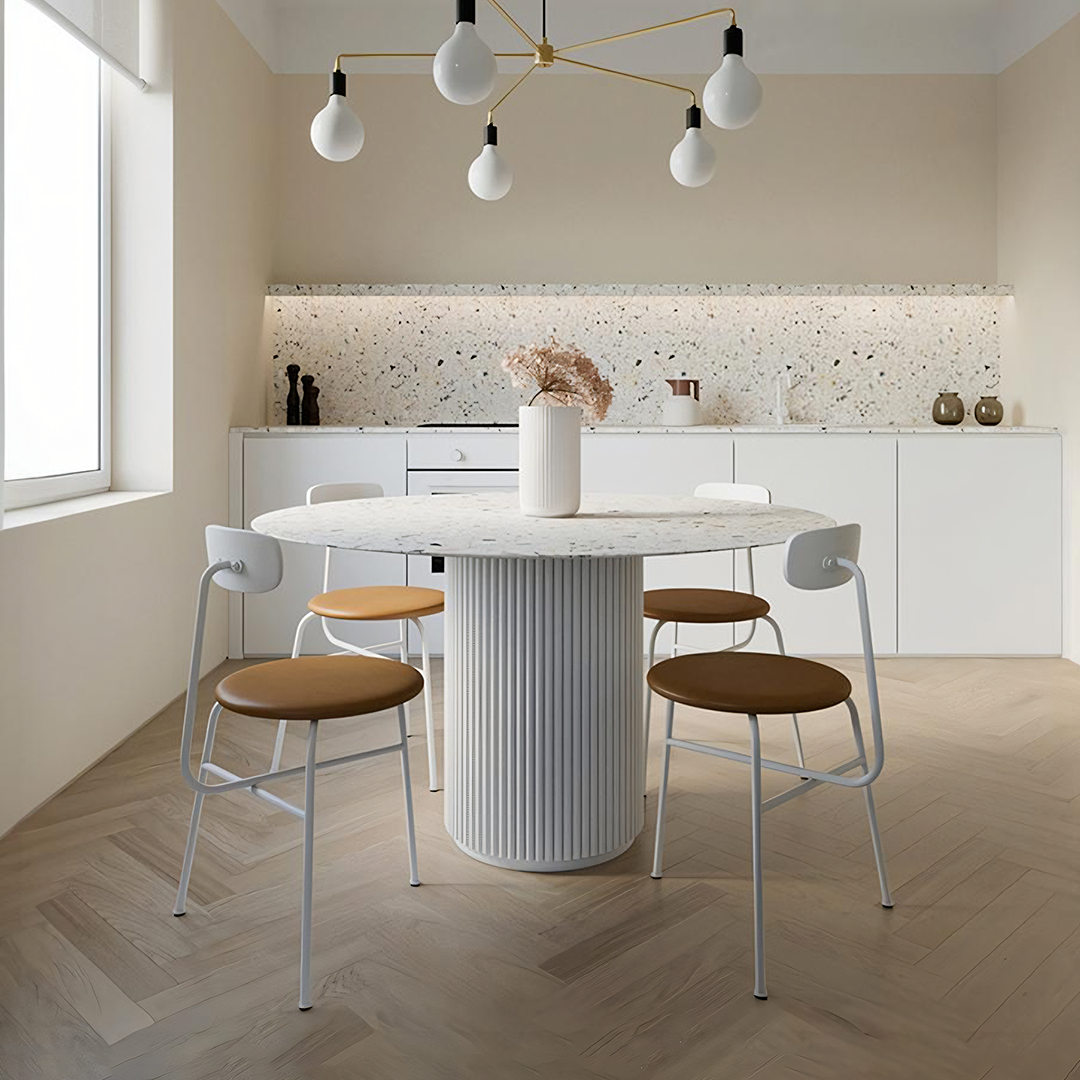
549, 460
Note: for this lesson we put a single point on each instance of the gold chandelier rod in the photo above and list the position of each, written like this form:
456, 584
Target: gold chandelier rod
627, 75
491, 112
415, 55
510, 19
649, 29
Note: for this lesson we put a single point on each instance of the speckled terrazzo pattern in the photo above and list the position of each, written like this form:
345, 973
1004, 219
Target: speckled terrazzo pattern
402, 360
493, 526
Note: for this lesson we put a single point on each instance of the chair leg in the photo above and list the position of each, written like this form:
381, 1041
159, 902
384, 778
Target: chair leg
410, 826
796, 737
403, 652
755, 824
429, 712
871, 813
283, 725
180, 907
309, 867
661, 810
648, 706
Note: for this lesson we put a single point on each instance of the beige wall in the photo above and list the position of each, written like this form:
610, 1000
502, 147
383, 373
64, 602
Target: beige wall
1039, 251
98, 606
840, 179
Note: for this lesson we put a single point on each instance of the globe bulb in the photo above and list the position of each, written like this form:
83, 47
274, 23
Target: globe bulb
732, 94
693, 161
490, 175
336, 132
465, 68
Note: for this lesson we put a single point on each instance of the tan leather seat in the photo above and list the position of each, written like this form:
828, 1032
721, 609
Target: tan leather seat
376, 602
319, 687
758, 683
703, 606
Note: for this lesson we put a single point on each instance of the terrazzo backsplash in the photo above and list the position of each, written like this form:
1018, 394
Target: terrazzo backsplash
408, 355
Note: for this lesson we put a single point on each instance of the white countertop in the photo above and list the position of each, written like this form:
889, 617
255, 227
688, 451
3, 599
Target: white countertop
493, 526
749, 429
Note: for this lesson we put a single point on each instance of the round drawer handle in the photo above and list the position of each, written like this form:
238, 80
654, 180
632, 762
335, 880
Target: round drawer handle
457, 455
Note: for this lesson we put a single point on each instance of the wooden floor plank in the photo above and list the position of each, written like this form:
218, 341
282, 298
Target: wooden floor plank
604, 974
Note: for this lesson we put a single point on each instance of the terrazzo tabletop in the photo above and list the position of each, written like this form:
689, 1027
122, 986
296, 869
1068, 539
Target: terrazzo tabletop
492, 526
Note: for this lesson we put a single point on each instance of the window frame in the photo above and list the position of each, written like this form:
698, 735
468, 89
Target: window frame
36, 491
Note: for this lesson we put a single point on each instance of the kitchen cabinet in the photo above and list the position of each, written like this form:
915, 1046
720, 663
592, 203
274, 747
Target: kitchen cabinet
643, 464
276, 473
961, 529
980, 544
852, 478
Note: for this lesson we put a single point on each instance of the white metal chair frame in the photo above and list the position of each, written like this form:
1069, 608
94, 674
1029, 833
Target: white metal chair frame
834, 551
744, 493
248, 566
323, 493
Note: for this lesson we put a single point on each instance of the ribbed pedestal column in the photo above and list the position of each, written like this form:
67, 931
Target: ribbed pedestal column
543, 709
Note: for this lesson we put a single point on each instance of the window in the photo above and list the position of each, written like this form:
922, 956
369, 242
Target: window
56, 356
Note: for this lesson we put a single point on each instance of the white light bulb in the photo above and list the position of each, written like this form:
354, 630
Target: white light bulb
693, 161
490, 175
336, 132
465, 68
732, 94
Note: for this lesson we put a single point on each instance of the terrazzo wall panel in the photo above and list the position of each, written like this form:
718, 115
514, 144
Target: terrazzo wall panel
407, 355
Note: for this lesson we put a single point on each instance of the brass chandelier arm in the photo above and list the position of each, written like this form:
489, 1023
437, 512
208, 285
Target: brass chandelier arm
649, 29
491, 111
627, 75
510, 19
414, 55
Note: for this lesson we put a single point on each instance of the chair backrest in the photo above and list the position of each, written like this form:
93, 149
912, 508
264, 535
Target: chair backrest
738, 492
256, 559
811, 559
326, 493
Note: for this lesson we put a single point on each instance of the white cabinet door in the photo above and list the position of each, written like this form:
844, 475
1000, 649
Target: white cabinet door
666, 464
278, 470
851, 478
980, 544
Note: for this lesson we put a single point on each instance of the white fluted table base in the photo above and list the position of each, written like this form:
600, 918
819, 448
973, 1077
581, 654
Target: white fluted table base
543, 709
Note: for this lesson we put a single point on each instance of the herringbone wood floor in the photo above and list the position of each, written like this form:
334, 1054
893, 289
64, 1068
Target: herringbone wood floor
600, 974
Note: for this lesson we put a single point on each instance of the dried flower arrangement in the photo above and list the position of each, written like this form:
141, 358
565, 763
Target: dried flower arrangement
564, 375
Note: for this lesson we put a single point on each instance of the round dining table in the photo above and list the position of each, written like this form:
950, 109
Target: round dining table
543, 651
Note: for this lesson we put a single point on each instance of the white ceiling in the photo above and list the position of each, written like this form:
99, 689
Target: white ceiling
782, 36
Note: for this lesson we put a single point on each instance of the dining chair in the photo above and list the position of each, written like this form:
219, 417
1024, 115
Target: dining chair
764, 684
402, 604
310, 689
713, 606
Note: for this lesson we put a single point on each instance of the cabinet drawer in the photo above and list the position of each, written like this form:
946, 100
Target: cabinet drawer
463, 451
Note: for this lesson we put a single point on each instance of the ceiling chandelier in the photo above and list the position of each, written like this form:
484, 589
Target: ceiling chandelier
465, 72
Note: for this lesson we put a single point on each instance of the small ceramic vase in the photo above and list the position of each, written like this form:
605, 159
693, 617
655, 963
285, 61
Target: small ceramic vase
989, 411
549, 467
948, 409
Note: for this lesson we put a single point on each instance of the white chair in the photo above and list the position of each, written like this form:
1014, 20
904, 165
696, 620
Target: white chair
713, 606
372, 603
764, 684
312, 689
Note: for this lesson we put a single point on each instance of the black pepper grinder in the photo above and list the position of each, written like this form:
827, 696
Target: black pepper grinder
292, 402
309, 407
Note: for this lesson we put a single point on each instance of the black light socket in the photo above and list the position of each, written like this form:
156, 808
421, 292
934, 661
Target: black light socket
733, 40
337, 82
466, 11
693, 117
491, 135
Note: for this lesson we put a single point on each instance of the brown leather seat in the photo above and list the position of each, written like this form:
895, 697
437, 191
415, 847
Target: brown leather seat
703, 606
758, 683
378, 602
319, 687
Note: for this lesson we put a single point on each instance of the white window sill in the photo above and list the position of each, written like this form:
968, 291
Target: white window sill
34, 515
